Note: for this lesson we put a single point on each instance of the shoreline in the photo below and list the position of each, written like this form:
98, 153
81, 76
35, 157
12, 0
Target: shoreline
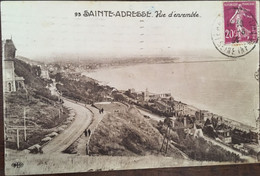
198, 106
132, 64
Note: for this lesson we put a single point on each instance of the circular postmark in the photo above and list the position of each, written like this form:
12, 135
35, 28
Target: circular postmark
230, 37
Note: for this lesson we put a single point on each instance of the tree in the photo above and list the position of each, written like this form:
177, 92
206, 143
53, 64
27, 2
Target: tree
36, 70
119, 97
58, 77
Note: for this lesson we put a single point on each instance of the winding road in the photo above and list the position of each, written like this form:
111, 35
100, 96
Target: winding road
83, 119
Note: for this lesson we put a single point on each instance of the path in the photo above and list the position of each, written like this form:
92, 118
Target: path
82, 120
151, 115
84, 140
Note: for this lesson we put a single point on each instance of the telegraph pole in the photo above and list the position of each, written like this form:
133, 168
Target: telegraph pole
18, 128
6, 112
17, 140
26, 91
24, 124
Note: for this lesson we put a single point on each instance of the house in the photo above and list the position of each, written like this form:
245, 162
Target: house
165, 95
45, 74
224, 133
11, 82
148, 96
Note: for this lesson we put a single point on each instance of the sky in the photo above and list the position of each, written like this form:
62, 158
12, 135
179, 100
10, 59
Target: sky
49, 30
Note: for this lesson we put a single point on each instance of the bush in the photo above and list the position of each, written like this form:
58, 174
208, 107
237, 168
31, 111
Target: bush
29, 74
79, 88
119, 97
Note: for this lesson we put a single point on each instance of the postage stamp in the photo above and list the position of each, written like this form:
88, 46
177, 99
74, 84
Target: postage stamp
240, 22
235, 32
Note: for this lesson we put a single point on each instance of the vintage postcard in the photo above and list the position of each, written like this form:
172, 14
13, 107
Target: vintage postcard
98, 86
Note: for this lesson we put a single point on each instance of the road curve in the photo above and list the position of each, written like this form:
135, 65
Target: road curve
82, 120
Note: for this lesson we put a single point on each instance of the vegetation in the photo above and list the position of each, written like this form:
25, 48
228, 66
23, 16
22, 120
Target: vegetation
197, 148
200, 149
81, 88
238, 136
40, 108
34, 83
128, 133
41, 118
119, 97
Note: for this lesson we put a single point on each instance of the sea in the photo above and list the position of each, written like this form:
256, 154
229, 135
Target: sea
226, 88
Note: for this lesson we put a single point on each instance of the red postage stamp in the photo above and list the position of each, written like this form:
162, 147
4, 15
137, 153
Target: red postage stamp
240, 23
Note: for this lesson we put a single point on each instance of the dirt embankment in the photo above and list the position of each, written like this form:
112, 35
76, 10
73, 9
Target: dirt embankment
41, 119
125, 132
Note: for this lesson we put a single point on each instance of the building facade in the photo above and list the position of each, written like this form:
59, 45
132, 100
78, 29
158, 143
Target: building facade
11, 82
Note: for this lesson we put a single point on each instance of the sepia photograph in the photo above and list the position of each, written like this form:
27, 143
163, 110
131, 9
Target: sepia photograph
102, 86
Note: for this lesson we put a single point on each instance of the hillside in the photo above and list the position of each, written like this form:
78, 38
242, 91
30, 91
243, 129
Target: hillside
33, 82
31, 61
36, 102
127, 133
81, 88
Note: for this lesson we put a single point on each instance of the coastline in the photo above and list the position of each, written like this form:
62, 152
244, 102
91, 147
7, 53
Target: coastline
120, 65
196, 105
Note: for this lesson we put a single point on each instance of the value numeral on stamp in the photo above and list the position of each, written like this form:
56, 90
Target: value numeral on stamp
229, 33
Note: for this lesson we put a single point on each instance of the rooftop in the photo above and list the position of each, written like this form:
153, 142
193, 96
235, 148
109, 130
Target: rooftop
10, 43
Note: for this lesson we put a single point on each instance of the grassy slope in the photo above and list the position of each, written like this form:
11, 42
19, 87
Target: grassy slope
81, 88
41, 115
127, 134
